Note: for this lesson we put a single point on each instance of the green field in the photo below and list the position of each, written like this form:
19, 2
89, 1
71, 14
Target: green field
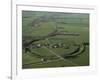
54, 39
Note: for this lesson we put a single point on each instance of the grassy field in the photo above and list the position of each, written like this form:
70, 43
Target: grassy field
68, 48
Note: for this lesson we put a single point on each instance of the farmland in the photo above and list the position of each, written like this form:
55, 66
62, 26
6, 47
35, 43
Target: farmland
54, 39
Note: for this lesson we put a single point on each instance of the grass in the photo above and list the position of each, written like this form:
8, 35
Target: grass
69, 23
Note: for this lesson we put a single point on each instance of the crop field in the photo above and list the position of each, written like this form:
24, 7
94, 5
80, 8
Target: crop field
54, 39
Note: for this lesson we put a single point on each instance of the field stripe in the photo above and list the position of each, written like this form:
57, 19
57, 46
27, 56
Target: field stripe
60, 56
53, 53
